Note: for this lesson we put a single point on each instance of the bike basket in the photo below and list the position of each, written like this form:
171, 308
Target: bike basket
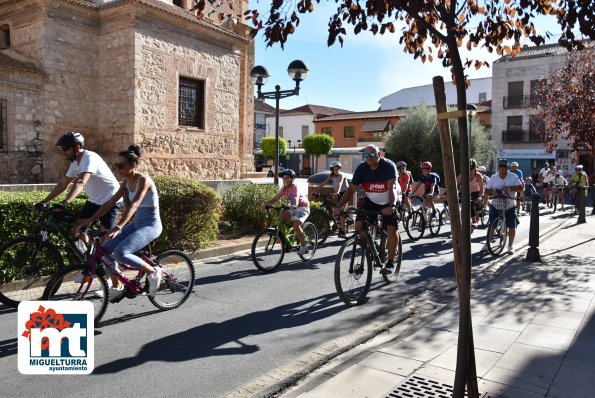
499, 203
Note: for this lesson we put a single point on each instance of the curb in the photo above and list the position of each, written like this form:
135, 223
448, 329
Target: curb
229, 250
277, 380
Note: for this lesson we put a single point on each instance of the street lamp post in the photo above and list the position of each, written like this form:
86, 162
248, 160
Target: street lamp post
297, 71
471, 110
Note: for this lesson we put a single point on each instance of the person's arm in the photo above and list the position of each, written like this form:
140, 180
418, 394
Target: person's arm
347, 196
273, 200
481, 185
107, 205
77, 186
326, 180
58, 189
142, 187
391, 191
459, 180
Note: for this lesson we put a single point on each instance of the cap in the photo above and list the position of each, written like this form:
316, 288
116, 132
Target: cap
502, 162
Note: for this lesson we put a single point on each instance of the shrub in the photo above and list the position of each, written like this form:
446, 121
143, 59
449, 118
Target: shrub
189, 213
242, 207
19, 217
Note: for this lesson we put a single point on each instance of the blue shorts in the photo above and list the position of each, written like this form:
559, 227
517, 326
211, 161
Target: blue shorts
108, 220
511, 219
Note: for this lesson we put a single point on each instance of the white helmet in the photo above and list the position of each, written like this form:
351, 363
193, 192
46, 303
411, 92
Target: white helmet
336, 163
481, 169
514, 164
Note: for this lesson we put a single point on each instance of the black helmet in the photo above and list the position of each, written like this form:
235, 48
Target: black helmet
71, 139
288, 172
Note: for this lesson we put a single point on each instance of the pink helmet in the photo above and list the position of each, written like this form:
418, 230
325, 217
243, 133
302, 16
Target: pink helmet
426, 165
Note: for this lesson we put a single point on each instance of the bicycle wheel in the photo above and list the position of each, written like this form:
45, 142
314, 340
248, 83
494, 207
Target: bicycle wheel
311, 236
322, 221
482, 215
499, 235
415, 225
267, 250
445, 216
65, 286
26, 266
177, 280
390, 278
353, 272
435, 224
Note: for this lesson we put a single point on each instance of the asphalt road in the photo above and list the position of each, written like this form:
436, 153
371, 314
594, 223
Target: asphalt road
240, 324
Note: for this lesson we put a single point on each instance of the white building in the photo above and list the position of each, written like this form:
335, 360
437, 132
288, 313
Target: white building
479, 91
517, 134
261, 111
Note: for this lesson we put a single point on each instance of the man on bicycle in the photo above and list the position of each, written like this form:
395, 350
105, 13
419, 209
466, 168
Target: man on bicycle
504, 184
377, 176
430, 181
514, 168
405, 182
87, 172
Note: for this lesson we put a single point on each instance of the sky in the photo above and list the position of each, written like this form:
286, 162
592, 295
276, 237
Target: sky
356, 76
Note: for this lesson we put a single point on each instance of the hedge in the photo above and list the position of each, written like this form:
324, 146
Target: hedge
242, 207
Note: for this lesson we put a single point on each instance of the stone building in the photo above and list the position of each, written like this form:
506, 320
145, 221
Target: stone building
124, 71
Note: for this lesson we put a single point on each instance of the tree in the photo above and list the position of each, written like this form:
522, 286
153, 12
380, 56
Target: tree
416, 138
267, 144
318, 144
566, 104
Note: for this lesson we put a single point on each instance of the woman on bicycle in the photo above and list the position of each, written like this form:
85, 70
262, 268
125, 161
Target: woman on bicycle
125, 240
340, 186
405, 180
299, 206
476, 188
558, 185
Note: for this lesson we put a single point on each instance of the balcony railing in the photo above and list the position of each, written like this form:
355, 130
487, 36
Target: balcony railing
516, 101
522, 136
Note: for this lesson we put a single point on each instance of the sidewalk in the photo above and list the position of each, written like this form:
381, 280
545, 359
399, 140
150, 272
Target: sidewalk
534, 333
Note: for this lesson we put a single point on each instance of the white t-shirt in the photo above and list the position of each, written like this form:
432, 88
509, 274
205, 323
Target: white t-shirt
543, 172
102, 184
549, 177
511, 180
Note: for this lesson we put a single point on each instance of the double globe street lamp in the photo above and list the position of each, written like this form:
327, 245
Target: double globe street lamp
297, 71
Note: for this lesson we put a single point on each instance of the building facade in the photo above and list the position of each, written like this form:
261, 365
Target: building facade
121, 72
517, 133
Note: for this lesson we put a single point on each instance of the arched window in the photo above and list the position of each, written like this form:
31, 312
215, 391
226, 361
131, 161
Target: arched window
4, 36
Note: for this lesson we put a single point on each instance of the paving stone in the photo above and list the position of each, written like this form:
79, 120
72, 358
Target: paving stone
497, 390
516, 321
547, 337
493, 339
484, 360
437, 373
559, 318
391, 363
523, 380
573, 382
531, 359
562, 303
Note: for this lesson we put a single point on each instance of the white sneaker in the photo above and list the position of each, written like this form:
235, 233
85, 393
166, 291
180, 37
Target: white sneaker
115, 294
302, 250
485, 247
154, 280
510, 250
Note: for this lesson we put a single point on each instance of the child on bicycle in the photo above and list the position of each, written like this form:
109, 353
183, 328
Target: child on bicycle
340, 186
405, 180
558, 185
529, 190
299, 206
429, 180
125, 240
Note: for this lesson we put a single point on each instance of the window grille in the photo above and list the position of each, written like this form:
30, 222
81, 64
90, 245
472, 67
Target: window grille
191, 104
3, 126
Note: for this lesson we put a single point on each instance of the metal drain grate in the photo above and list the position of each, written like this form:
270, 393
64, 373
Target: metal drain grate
585, 236
420, 387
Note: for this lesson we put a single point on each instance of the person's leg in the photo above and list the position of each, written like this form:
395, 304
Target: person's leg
392, 241
299, 232
511, 223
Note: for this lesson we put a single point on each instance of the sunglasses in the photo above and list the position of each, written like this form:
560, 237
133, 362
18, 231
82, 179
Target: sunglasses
370, 155
502, 165
120, 166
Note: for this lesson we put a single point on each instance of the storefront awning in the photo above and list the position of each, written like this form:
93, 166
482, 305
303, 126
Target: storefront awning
376, 125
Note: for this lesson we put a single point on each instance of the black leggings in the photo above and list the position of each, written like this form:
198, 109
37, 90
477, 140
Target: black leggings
474, 197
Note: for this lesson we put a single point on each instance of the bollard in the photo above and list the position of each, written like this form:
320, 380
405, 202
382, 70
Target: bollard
533, 252
581, 205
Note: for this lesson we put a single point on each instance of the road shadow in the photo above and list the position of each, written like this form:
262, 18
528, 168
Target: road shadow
225, 338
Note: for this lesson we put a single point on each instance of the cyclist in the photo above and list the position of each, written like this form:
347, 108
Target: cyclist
482, 170
542, 173
560, 183
529, 190
299, 206
505, 184
87, 172
514, 168
429, 180
405, 181
127, 239
476, 189
340, 185
578, 179
547, 185
377, 176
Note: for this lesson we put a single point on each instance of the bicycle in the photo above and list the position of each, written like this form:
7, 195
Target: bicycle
360, 255
498, 231
37, 258
271, 244
416, 222
326, 222
88, 281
